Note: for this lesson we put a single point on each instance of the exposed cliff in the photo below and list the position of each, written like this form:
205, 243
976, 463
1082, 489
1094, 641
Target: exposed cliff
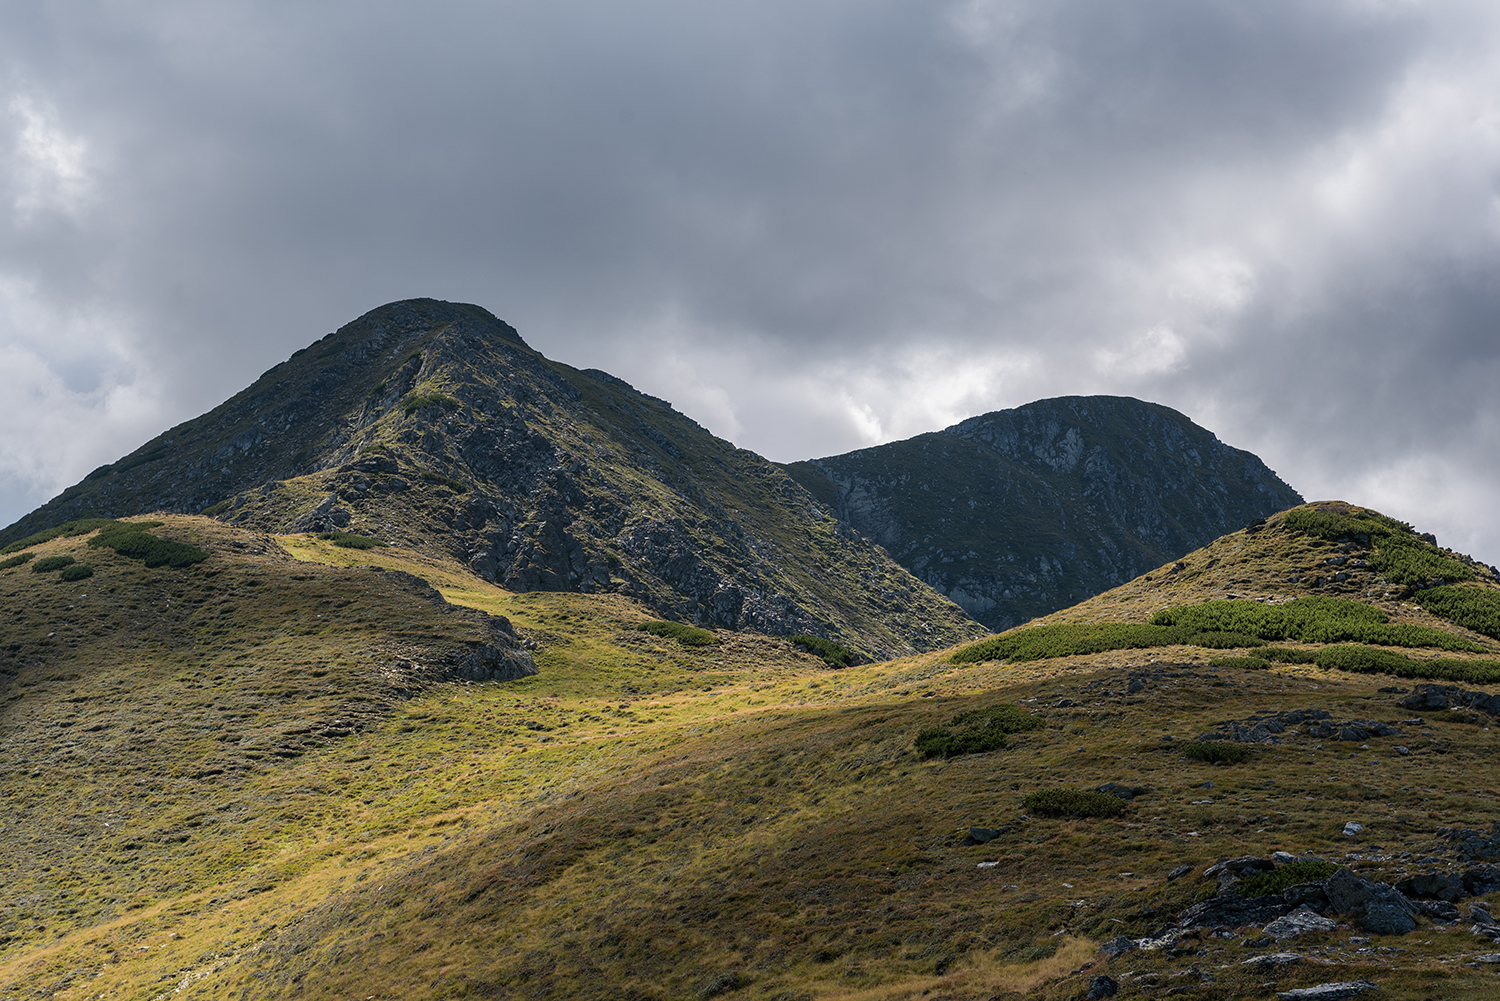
1017, 513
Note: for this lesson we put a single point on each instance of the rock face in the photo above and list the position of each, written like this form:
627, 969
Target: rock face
433, 425
1021, 512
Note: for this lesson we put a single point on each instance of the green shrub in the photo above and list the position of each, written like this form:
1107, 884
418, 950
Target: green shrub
1277, 880
1218, 640
1215, 752
416, 401
131, 540
80, 526
349, 540
457, 486
1400, 555
1286, 655
1239, 663
215, 509
1068, 639
941, 742
1073, 803
1373, 660
1308, 620
978, 730
16, 561
78, 571
684, 634
832, 653
1476, 608
49, 563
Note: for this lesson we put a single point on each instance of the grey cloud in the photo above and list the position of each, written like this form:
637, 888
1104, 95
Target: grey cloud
739, 205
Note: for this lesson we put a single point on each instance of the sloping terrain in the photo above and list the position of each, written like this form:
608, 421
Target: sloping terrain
1018, 513
432, 425
650, 820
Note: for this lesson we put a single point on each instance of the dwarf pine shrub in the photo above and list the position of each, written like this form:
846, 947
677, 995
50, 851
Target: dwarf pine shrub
1400, 555
1309, 620
832, 653
1476, 608
79, 526
1215, 752
1278, 879
1374, 660
975, 731
684, 634
1073, 803
132, 540
49, 563
350, 540
78, 571
16, 561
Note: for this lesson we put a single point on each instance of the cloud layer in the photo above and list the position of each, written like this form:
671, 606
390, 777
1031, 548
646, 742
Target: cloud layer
812, 225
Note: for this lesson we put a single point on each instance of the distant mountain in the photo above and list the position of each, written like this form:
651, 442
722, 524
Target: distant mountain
1018, 513
435, 426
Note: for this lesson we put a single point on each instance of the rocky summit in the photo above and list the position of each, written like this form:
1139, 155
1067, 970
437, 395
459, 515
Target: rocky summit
434, 426
1018, 513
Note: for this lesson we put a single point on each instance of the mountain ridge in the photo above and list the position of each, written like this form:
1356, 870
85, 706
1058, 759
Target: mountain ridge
1017, 513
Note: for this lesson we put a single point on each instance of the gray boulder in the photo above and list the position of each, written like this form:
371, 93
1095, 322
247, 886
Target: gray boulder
1300, 922
1339, 991
1376, 907
1433, 886
1230, 910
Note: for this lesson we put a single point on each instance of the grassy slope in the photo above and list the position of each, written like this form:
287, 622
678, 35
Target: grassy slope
687, 820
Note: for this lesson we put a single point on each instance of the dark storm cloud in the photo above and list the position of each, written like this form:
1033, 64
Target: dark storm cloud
811, 225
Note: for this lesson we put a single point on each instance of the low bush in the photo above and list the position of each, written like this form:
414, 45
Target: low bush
16, 561
832, 653
975, 731
441, 479
1286, 655
1073, 803
1215, 752
1278, 879
417, 401
1308, 620
133, 541
1374, 660
1476, 608
1239, 663
684, 634
80, 526
78, 571
1068, 639
350, 540
215, 509
1218, 640
49, 563
941, 742
1400, 555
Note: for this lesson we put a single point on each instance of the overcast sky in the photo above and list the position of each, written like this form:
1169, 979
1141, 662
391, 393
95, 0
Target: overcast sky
811, 225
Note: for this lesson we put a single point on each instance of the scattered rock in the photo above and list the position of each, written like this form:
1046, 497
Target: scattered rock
1102, 987
983, 835
1449, 696
1352, 828
1311, 894
1230, 910
1282, 858
1489, 957
1482, 879
1472, 844
1302, 921
1179, 872
1338, 991
1439, 910
1377, 907
1273, 959
1125, 792
1117, 947
1402, 750
1433, 886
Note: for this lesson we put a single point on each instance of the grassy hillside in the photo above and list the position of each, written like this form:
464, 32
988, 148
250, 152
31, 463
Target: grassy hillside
213, 792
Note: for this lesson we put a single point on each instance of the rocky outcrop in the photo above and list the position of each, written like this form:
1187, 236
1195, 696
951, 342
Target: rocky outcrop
1021, 512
